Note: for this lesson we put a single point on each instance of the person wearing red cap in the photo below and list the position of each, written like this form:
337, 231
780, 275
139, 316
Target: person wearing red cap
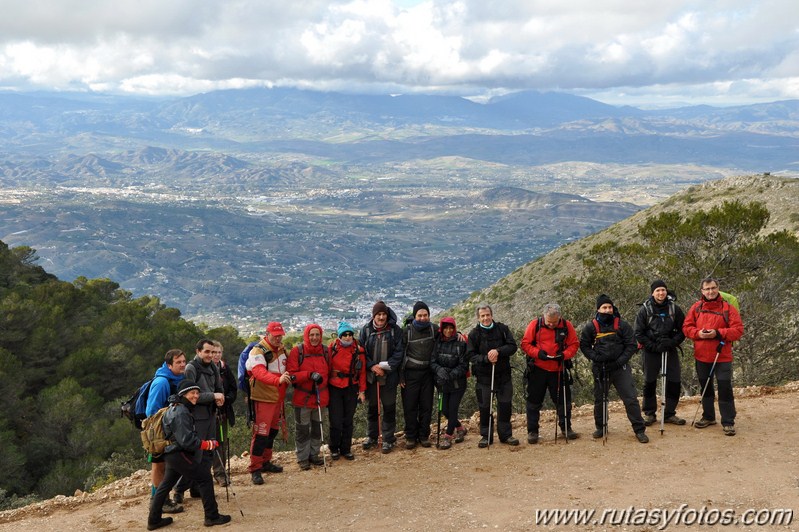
266, 369
450, 365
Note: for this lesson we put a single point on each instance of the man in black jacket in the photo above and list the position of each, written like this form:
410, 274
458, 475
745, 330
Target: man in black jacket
489, 348
608, 342
382, 340
204, 372
226, 417
658, 328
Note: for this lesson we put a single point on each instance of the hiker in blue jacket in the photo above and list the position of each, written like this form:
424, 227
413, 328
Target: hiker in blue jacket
164, 383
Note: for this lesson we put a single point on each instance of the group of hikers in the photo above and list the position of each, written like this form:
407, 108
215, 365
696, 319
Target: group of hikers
368, 365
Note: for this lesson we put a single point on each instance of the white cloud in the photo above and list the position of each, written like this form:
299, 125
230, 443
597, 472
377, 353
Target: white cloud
686, 48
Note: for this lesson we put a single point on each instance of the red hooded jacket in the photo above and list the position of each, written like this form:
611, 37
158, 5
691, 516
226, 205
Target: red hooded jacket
314, 360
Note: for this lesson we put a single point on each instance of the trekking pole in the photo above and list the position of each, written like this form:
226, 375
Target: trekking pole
709, 378
491, 407
663, 357
379, 431
560, 375
605, 391
227, 478
321, 428
438, 433
222, 442
565, 410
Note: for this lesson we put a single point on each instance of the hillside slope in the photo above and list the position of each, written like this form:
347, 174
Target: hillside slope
499, 488
518, 297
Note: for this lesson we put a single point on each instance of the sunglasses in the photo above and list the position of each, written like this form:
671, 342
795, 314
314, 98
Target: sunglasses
344, 335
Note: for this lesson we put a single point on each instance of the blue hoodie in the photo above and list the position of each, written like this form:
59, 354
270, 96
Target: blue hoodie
160, 389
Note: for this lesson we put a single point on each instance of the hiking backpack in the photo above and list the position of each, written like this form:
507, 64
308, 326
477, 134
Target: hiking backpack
135, 408
153, 438
244, 381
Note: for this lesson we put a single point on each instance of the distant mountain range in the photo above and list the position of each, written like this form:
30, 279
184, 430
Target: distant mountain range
526, 128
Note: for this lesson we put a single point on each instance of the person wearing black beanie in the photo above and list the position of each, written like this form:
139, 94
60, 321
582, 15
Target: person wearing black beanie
658, 329
184, 457
609, 343
416, 376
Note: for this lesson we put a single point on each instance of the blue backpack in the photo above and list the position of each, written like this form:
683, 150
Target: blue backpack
135, 408
244, 381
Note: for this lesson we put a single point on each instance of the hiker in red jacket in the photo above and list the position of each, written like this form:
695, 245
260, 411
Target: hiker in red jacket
713, 325
550, 342
266, 369
347, 387
309, 370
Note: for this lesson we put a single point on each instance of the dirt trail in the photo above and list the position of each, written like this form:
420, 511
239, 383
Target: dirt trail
500, 488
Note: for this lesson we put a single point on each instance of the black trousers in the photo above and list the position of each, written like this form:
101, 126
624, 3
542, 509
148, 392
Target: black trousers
450, 404
387, 412
723, 374
652, 363
504, 394
538, 382
341, 411
180, 464
622, 380
417, 403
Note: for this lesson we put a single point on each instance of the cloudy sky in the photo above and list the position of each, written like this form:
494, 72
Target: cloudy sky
618, 51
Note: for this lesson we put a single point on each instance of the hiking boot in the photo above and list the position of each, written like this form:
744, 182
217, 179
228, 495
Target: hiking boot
570, 434
702, 423
513, 442
317, 460
349, 456
729, 430
532, 438
305, 465
177, 497
220, 519
598, 433
410, 444
158, 524
425, 443
269, 467
170, 507
446, 443
387, 446
335, 455
483, 443
460, 434
368, 444
674, 420
649, 419
257, 479
642, 437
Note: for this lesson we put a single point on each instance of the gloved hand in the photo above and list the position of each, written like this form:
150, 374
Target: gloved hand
558, 356
543, 355
442, 377
316, 377
664, 344
209, 445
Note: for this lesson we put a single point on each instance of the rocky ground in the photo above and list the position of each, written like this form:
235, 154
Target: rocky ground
686, 470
